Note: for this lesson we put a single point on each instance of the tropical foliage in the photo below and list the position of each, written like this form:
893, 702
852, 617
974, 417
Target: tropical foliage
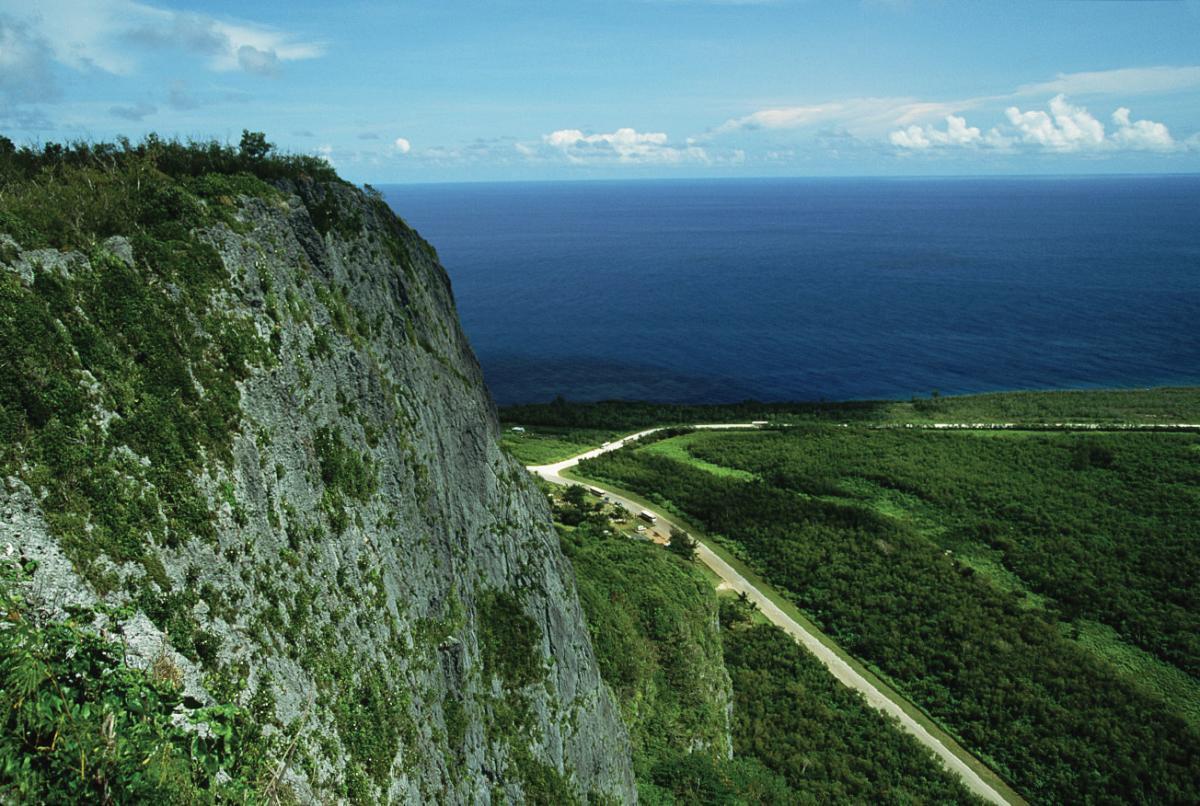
826, 523
798, 736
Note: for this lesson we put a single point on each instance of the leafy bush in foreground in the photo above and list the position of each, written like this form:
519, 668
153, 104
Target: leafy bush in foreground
78, 725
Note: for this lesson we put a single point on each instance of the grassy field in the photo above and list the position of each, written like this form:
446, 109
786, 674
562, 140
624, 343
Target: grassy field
677, 448
545, 445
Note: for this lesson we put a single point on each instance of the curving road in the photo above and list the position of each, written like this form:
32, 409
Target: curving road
551, 472
733, 580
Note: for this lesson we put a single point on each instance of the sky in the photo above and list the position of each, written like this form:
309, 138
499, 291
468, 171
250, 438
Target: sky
450, 91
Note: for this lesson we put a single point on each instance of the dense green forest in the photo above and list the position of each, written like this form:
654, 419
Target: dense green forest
1104, 524
1166, 405
799, 721
629, 416
798, 736
1161, 405
988, 662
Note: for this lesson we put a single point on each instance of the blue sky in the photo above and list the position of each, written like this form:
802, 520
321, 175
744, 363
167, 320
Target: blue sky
457, 91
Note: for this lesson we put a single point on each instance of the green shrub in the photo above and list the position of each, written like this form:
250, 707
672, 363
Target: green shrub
510, 640
78, 725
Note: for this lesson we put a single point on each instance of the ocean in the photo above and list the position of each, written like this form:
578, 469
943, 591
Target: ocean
807, 289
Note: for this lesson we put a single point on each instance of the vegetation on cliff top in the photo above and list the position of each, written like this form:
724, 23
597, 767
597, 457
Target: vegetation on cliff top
119, 402
120, 381
75, 195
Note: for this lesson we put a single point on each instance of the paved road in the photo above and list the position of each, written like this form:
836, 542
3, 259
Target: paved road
735, 581
552, 472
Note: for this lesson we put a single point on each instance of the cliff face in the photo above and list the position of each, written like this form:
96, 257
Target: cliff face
276, 475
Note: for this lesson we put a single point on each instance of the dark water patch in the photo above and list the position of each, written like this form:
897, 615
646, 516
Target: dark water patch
807, 289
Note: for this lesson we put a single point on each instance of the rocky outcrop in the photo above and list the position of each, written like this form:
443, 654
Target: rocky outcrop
368, 568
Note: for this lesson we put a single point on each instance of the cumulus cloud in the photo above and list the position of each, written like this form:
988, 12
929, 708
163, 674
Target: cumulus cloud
325, 152
919, 138
1141, 135
911, 125
1065, 128
402, 145
1062, 128
106, 35
625, 145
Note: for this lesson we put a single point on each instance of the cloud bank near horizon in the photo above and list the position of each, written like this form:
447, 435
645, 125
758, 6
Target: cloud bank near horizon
1062, 129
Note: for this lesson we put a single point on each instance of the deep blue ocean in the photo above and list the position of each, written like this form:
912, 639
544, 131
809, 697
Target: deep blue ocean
801, 289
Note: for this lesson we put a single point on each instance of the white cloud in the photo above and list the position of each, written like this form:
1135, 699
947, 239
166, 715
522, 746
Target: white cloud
1124, 81
1141, 135
956, 133
252, 44
402, 145
859, 116
1063, 128
325, 152
625, 145
913, 125
913, 138
788, 117
106, 35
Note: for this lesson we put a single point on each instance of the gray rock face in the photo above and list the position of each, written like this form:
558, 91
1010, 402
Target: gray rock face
381, 570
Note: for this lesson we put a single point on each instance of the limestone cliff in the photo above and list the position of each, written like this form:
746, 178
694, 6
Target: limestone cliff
249, 441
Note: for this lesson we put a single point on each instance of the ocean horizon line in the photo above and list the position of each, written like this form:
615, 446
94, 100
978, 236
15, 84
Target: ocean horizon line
645, 180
